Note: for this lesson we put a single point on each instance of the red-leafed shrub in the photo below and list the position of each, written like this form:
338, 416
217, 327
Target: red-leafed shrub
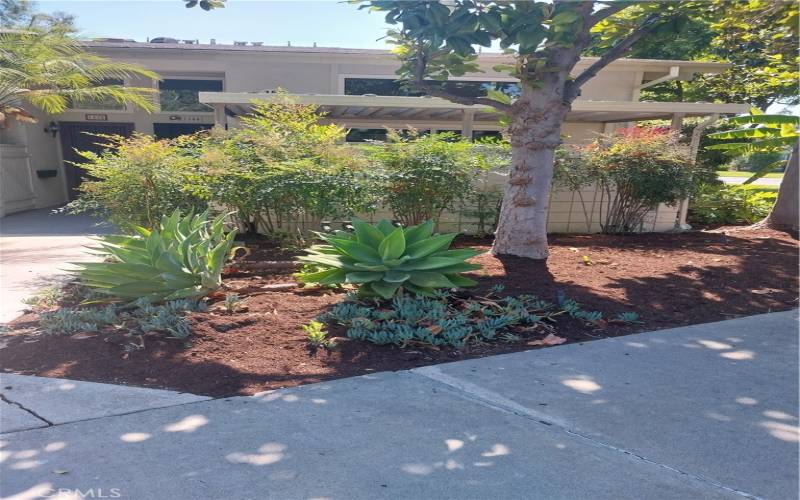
636, 169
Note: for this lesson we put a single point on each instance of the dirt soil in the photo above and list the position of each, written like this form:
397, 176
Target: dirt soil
668, 279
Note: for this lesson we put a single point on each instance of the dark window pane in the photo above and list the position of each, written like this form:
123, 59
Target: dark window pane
366, 134
377, 86
388, 87
183, 95
173, 130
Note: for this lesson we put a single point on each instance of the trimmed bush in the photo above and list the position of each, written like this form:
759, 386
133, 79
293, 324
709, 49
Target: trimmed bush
138, 181
282, 166
421, 176
730, 204
636, 170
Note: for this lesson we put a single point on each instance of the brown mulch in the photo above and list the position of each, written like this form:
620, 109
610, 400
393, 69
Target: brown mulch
669, 279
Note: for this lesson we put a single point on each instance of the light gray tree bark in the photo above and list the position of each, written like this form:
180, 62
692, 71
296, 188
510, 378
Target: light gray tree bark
535, 134
784, 214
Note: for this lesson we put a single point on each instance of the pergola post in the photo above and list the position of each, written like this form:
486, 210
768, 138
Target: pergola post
467, 123
220, 118
677, 123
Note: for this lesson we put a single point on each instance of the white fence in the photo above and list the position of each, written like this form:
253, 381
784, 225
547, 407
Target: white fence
16, 183
570, 212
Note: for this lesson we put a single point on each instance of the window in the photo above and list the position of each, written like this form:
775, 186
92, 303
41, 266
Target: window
388, 87
173, 130
378, 134
182, 94
366, 134
103, 103
377, 86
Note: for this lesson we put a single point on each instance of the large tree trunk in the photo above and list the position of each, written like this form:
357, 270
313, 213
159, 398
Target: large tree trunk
784, 214
535, 133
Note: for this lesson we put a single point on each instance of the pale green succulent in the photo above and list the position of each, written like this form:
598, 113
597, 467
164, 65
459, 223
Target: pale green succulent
384, 259
182, 257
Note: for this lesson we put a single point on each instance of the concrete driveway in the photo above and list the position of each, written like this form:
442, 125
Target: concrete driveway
35, 246
707, 411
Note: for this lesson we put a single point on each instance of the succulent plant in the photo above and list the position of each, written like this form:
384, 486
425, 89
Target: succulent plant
383, 259
181, 258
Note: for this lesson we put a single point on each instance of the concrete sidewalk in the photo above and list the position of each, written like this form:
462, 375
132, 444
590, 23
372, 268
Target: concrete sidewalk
35, 246
707, 411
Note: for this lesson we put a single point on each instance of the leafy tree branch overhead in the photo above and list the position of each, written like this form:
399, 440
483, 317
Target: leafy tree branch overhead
205, 4
759, 38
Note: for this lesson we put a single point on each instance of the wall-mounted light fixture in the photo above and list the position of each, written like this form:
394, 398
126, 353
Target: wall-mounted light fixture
52, 128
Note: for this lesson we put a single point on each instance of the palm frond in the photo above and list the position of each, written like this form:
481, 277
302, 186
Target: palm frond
765, 119
50, 70
744, 133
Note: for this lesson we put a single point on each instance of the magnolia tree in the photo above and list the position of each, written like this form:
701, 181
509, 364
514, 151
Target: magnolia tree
438, 39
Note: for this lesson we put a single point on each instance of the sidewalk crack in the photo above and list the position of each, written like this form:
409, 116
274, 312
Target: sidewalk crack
491, 399
23, 408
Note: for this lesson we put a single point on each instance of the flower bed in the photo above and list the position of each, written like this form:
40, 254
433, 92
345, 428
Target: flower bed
669, 280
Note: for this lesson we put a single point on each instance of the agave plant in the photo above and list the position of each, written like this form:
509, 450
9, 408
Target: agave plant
182, 257
384, 259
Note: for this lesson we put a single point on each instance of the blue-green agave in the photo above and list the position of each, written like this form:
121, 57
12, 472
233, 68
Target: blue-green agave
182, 257
384, 259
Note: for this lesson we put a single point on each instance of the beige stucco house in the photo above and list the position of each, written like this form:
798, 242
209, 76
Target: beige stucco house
207, 84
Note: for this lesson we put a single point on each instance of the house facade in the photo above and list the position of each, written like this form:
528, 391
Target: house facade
207, 84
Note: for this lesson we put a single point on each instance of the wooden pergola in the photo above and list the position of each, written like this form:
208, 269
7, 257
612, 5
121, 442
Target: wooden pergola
432, 112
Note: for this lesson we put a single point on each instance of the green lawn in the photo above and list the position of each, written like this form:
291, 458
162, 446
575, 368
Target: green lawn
734, 173
760, 187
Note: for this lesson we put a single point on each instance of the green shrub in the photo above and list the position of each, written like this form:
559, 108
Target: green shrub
635, 169
730, 204
181, 258
282, 166
383, 259
138, 180
421, 176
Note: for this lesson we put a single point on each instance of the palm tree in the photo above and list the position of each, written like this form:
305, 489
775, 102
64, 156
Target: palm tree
50, 70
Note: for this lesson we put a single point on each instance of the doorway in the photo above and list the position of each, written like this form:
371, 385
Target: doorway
79, 136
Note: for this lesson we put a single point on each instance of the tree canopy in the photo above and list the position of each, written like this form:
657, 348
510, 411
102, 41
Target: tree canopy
20, 14
759, 38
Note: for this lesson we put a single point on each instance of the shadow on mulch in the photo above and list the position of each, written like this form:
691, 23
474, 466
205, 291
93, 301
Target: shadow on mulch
669, 279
